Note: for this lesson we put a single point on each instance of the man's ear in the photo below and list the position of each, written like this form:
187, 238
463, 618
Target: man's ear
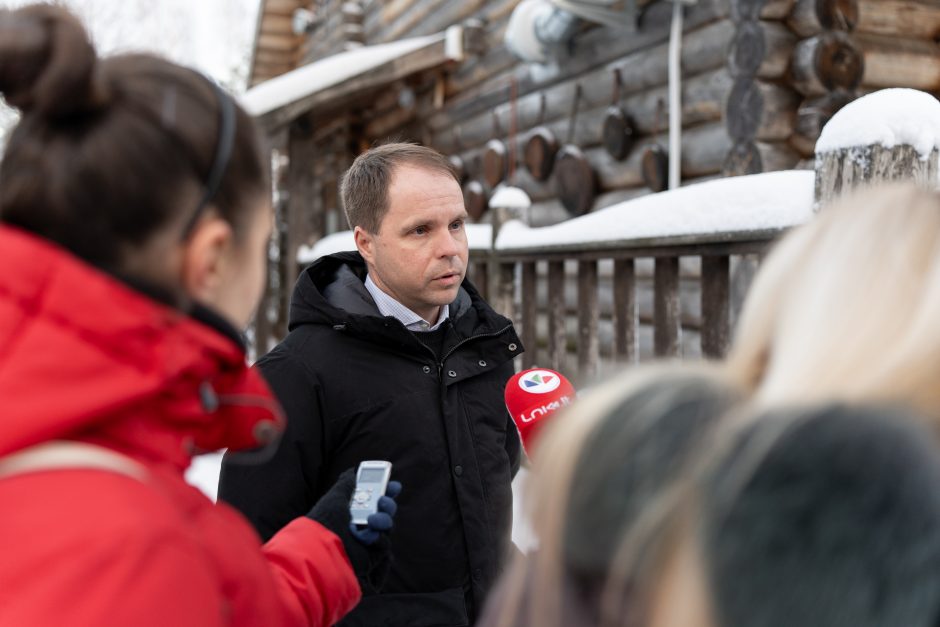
205, 256
365, 243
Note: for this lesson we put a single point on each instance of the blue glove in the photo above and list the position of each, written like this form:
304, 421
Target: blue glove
380, 522
368, 547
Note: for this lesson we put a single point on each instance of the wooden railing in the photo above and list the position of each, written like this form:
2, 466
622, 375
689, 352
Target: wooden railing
514, 279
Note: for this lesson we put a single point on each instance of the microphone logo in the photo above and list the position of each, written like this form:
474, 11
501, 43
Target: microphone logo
539, 381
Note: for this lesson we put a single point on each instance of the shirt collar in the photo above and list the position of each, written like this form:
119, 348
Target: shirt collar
388, 306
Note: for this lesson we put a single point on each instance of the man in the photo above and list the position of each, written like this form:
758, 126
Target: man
393, 355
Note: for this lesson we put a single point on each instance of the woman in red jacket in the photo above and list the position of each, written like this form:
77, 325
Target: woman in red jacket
134, 221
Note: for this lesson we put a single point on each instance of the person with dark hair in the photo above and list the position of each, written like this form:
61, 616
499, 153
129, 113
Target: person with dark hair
134, 221
392, 354
826, 517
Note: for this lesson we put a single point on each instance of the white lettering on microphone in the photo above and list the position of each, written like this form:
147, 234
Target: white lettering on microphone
543, 410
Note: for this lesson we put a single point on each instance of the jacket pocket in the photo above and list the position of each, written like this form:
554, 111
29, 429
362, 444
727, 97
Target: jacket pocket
447, 608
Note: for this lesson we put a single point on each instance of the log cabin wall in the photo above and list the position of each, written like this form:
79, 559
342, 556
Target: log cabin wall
759, 80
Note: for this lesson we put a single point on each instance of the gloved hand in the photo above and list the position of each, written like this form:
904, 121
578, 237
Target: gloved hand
368, 547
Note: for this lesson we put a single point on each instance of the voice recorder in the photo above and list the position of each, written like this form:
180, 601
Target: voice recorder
371, 482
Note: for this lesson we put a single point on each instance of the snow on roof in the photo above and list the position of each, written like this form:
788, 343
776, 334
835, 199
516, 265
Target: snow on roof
479, 237
319, 75
889, 117
738, 204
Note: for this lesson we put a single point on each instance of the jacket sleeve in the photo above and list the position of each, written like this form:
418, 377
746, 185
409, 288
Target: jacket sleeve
280, 486
313, 575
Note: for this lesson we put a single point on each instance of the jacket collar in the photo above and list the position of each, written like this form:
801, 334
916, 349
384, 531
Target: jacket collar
85, 356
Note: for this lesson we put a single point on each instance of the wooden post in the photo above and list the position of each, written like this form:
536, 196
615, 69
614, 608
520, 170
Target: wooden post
529, 314
625, 311
716, 305
840, 170
840, 167
557, 333
301, 188
588, 314
667, 325
505, 205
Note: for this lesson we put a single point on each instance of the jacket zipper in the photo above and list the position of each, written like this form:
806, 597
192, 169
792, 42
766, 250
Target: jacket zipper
440, 366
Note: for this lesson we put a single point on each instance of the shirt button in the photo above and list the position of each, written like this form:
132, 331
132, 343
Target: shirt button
512, 347
451, 374
458, 470
427, 369
482, 363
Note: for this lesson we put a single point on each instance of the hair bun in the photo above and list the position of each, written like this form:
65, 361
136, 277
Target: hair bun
48, 66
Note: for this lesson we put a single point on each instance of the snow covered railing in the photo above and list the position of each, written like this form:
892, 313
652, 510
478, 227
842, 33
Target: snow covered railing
711, 221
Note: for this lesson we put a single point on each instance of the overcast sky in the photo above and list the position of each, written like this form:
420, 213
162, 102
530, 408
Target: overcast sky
214, 36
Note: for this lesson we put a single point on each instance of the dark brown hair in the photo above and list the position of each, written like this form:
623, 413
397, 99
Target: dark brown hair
365, 185
109, 152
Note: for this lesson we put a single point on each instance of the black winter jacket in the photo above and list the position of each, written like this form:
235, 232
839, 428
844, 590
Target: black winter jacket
355, 386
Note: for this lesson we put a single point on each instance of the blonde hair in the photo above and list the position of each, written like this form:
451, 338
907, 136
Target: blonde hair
847, 307
533, 590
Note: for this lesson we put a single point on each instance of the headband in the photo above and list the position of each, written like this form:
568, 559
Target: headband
223, 154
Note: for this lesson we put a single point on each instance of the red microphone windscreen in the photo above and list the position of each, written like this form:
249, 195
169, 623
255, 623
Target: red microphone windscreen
533, 395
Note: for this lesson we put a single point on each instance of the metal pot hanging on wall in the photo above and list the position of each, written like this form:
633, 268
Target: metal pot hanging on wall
475, 199
540, 148
495, 157
460, 170
619, 131
574, 177
655, 167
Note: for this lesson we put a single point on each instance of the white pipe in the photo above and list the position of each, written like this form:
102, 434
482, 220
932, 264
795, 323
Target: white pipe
675, 96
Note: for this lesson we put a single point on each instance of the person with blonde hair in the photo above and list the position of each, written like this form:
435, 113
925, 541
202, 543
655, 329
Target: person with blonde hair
846, 307
604, 504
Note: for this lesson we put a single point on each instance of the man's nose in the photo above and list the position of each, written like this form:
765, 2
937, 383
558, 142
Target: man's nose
448, 245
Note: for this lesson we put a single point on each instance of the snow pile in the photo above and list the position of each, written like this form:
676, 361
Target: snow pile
758, 202
890, 117
319, 75
510, 198
479, 237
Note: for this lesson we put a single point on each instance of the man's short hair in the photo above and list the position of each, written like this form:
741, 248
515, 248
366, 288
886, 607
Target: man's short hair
827, 517
364, 188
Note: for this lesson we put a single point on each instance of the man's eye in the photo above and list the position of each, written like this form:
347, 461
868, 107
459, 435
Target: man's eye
421, 230
456, 226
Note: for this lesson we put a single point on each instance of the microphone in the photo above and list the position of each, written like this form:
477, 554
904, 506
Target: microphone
532, 396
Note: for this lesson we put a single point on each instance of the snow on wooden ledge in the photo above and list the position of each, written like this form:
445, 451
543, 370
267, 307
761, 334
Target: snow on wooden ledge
727, 209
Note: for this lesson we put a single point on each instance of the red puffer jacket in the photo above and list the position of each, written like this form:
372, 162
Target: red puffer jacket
83, 358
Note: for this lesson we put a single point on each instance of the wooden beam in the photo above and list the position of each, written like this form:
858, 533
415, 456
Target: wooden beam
916, 19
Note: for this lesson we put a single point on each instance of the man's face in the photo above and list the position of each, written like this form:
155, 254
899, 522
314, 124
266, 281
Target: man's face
419, 255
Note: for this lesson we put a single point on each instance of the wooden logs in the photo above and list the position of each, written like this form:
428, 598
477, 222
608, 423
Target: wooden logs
742, 10
896, 62
624, 315
759, 110
841, 170
828, 61
760, 49
811, 17
757, 157
914, 19
812, 116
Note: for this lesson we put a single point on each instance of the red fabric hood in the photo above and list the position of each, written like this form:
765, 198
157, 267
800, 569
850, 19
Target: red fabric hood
83, 356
